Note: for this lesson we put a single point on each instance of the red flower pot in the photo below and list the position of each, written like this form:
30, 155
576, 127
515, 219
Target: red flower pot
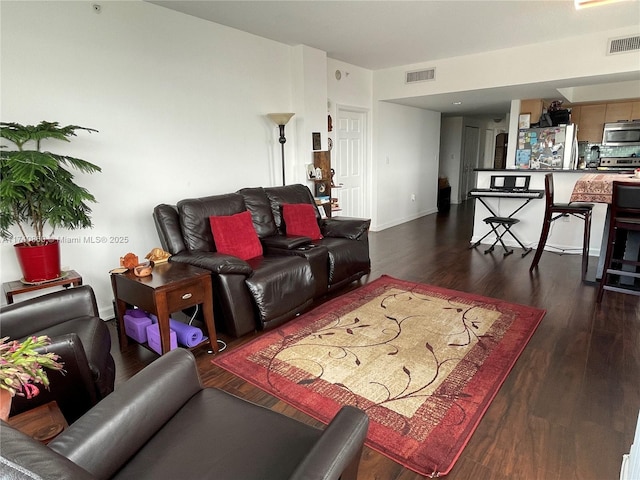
39, 263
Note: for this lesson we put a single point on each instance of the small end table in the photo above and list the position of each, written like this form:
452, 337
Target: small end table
42, 423
170, 287
16, 287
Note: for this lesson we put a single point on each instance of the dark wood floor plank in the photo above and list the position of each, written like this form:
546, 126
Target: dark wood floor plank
569, 407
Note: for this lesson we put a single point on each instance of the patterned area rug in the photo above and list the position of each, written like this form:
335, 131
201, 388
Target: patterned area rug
424, 362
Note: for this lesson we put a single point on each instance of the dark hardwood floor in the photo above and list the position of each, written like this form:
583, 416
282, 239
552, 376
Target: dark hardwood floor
568, 409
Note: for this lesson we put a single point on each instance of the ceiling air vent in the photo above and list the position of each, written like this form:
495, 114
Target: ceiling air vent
623, 45
421, 75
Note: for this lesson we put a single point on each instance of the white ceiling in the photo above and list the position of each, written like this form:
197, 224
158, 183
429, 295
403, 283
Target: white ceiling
389, 33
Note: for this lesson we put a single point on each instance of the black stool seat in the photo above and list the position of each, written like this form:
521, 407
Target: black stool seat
573, 206
506, 223
554, 211
501, 220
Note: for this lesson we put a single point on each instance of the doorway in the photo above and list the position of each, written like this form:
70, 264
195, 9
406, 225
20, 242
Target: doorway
348, 158
470, 153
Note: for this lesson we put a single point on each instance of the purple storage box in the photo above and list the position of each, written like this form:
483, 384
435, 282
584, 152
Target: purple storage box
135, 312
153, 339
136, 327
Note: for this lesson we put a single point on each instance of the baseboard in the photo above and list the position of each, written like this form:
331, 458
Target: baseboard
400, 221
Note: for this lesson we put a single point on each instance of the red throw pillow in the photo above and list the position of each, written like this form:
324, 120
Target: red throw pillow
235, 235
300, 219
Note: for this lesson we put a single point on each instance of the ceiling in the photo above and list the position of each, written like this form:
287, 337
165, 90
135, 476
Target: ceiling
390, 33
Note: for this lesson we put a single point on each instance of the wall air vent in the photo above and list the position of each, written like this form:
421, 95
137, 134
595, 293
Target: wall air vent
421, 75
623, 45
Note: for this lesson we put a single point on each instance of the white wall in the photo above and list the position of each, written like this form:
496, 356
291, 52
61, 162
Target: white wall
309, 98
570, 58
405, 162
451, 153
353, 89
180, 104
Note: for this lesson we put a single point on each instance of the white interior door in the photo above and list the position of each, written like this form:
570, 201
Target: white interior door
469, 160
348, 159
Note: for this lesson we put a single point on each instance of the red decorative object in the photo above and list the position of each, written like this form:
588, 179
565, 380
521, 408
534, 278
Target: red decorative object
424, 362
300, 219
39, 263
235, 235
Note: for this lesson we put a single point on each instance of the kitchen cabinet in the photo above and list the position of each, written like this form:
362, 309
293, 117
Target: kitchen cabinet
622, 112
618, 112
589, 117
590, 120
534, 107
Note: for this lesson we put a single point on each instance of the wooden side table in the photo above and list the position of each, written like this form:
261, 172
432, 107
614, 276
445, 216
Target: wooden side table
17, 287
42, 423
170, 288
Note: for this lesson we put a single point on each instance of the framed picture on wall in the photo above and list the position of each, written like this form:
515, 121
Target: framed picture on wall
315, 136
524, 120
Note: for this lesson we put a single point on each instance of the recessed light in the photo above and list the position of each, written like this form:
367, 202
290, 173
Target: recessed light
457, 103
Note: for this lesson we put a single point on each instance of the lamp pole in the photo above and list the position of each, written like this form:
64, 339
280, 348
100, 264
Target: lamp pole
282, 140
281, 119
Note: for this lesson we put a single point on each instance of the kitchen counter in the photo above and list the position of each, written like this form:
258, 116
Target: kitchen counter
566, 235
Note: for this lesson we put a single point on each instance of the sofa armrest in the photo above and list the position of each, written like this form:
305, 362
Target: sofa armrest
106, 437
337, 452
345, 227
285, 242
215, 262
22, 457
23, 318
73, 389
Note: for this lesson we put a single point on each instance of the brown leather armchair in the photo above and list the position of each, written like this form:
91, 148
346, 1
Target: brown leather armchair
162, 424
70, 318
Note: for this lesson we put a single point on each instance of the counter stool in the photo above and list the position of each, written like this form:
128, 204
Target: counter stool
506, 223
625, 217
554, 211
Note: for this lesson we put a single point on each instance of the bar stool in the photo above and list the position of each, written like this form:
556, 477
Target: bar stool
554, 211
625, 217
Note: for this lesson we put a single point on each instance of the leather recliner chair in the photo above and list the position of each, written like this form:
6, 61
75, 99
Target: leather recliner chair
162, 424
81, 339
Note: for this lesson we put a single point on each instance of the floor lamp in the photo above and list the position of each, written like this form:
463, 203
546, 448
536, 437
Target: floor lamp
281, 119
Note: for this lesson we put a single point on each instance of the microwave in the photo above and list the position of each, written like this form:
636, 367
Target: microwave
621, 133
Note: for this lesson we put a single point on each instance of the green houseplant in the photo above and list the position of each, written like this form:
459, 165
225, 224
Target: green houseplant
37, 189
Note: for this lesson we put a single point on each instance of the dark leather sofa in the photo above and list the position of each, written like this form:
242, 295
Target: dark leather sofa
162, 424
81, 339
266, 291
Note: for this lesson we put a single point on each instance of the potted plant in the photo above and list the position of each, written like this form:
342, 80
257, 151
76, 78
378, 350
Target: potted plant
22, 367
37, 189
